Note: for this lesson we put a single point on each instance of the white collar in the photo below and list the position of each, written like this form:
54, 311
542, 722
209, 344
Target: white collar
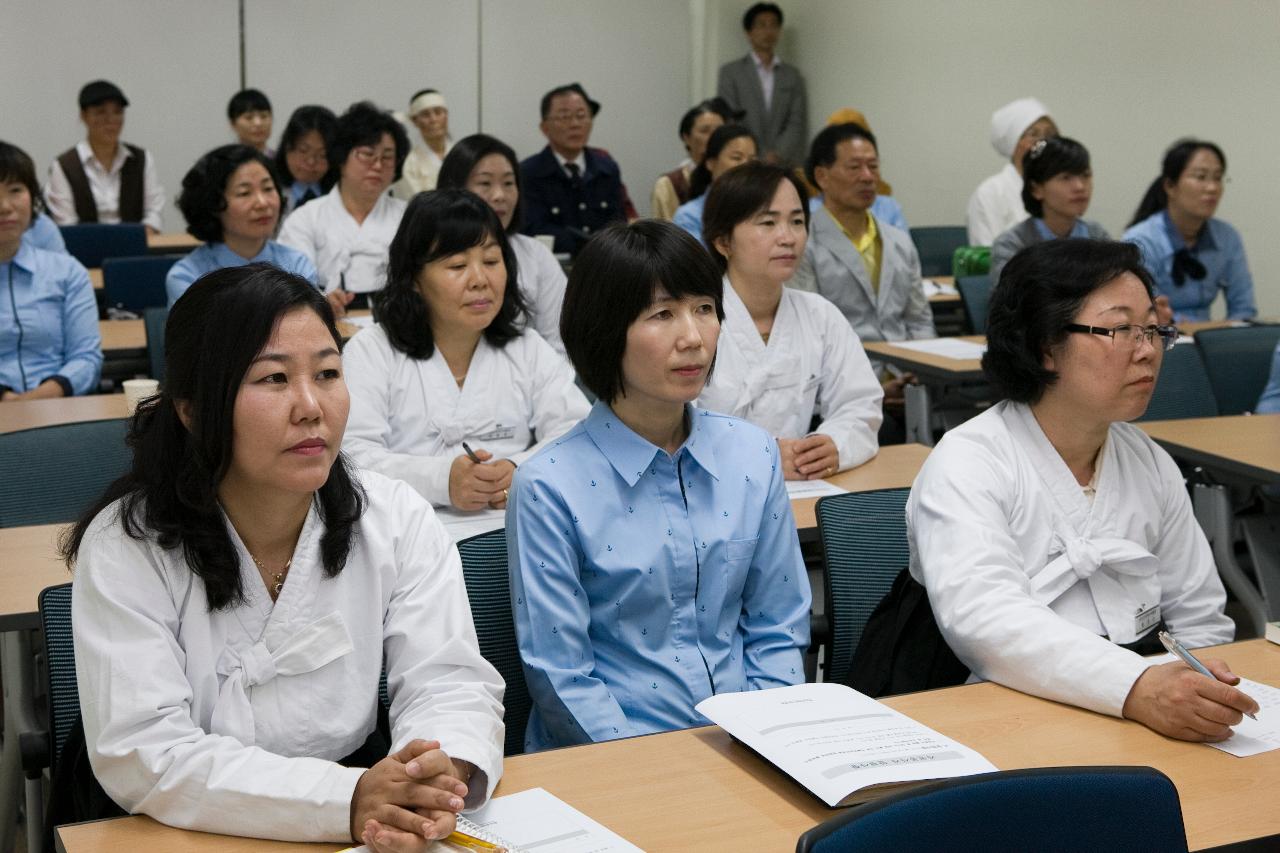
580, 160
85, 153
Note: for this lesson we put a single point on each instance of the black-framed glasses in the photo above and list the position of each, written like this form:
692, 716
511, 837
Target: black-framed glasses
1128, 334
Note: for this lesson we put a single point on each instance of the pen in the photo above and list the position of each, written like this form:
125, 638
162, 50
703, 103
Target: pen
470, 842
1172, 645
471, 454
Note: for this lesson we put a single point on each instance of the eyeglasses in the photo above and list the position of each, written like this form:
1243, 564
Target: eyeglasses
310, 155
1207, 177
368, 156
570, 118
1127, 335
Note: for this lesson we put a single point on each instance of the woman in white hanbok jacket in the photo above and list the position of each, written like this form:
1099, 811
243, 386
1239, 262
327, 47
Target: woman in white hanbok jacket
1054, 538
448, 364
786, 356
238, 592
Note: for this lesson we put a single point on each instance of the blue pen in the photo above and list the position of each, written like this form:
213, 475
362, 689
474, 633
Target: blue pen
1175, 648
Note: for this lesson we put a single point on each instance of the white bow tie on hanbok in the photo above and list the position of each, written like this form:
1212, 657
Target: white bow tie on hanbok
314, 645
1080, 558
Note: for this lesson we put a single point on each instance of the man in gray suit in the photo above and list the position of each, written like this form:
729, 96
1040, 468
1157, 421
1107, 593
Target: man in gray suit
771, 93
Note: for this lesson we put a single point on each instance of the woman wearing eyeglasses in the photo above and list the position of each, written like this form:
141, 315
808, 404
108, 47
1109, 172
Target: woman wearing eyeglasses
346, 234
1190, 254
1055, 540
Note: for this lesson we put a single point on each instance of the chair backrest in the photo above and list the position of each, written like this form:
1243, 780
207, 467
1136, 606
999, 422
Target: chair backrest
64, 699
136, 284
1048, 808
975, 296
1182, 389
864, 541
91, 243
1239, 363
484, 567
153, 321
936, 244
53, 474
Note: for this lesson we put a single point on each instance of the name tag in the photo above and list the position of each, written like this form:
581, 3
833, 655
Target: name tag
501, 433
1145, 619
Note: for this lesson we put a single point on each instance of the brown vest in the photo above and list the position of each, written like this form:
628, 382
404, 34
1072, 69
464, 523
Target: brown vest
680, 184
131, 189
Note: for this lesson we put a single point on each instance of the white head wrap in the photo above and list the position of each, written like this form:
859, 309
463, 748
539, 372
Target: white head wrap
1010, 121
427, 101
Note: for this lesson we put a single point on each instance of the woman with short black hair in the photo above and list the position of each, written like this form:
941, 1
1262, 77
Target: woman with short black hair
448, 366
259, 584
1057, 184
654, 559
249, 112
302, 160
488, 167
231, 201
1055, 539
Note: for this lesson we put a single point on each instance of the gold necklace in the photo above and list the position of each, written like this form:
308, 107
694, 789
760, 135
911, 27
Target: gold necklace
277, 578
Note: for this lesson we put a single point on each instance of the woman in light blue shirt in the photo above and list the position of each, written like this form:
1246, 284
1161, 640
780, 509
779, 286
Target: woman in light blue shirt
45, 234
653, 555
730, 145
1190, 254
231, 200
49, 340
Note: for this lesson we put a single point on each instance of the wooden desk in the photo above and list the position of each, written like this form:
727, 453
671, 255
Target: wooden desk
1245, 445
119, 336
175, 241
95, 277
29, 562
33, 414
894, 467
732, 800
926, 365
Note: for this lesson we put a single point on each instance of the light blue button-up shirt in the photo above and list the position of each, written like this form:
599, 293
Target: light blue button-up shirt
1221, 251
48, 322
885, 209
643, 583
44, 234
216, 256
1079, 231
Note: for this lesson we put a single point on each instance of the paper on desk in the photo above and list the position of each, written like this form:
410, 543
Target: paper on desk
933, 288
538, 822
463, 525
797, 489
945, 347
835, 740
1251, 736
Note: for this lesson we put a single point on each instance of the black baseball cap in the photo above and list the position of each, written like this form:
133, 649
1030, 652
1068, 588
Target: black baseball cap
99, 92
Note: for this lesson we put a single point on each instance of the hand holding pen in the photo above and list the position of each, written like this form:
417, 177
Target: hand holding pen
1173, 647
477, 483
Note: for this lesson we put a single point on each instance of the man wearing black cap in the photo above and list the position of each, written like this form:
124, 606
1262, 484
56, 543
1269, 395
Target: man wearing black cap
102, 179
571, 191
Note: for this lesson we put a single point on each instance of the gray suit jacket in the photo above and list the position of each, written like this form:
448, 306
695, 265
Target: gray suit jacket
834, 268
785, 127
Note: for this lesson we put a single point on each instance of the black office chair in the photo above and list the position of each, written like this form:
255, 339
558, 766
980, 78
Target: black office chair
936, 244
975, 296
91, 243
136, 283
1182, 389
484, 568
1238, 362
1048, 809
53, 474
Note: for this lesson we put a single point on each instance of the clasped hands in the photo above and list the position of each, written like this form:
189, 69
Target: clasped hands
477, 485
408, 799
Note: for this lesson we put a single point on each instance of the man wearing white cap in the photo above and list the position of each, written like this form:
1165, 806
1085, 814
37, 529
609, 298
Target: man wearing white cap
996, 205
430, 114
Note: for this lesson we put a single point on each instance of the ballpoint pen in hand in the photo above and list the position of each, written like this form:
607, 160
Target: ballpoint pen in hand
1175, 648
471, 454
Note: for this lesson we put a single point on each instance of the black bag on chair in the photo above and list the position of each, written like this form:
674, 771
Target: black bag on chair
901, 649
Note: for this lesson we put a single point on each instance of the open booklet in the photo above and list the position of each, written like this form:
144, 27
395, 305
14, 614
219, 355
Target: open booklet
842, 745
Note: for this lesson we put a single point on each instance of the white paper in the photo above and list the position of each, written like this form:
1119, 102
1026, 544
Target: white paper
934, 288
1250, 737
361, 320
536, 821
797, 489
463, 525
945, 347
834, 740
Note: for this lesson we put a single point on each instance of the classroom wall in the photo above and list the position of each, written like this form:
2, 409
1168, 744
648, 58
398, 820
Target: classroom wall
1126, 79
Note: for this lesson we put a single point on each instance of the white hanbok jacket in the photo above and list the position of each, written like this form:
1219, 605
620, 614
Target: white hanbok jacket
812, 364
409, 417
542, 281
345, 253
1028, 578
995, 206
231, 721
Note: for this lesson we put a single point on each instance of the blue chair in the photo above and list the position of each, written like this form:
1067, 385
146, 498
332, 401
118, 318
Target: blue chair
975, 296
60, 656
53, 474
1182, 389
136, 284
936, 244
484, 568
864, 542
153, 321
92, 242
1238, 362
1048, 809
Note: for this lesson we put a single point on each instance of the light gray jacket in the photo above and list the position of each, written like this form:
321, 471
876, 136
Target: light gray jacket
1024, 234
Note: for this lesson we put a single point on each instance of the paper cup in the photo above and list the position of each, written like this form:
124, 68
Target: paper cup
137, 390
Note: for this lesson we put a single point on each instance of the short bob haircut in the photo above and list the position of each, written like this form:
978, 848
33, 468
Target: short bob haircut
615, 276
1039, 292
170, 492
720, 138
716, 105
437, 224
822, 152
455, 171
755, 11
1175, 163
304, 120
1049, 158
204, 188
17, 167
740, 194
247, 101
364, 124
